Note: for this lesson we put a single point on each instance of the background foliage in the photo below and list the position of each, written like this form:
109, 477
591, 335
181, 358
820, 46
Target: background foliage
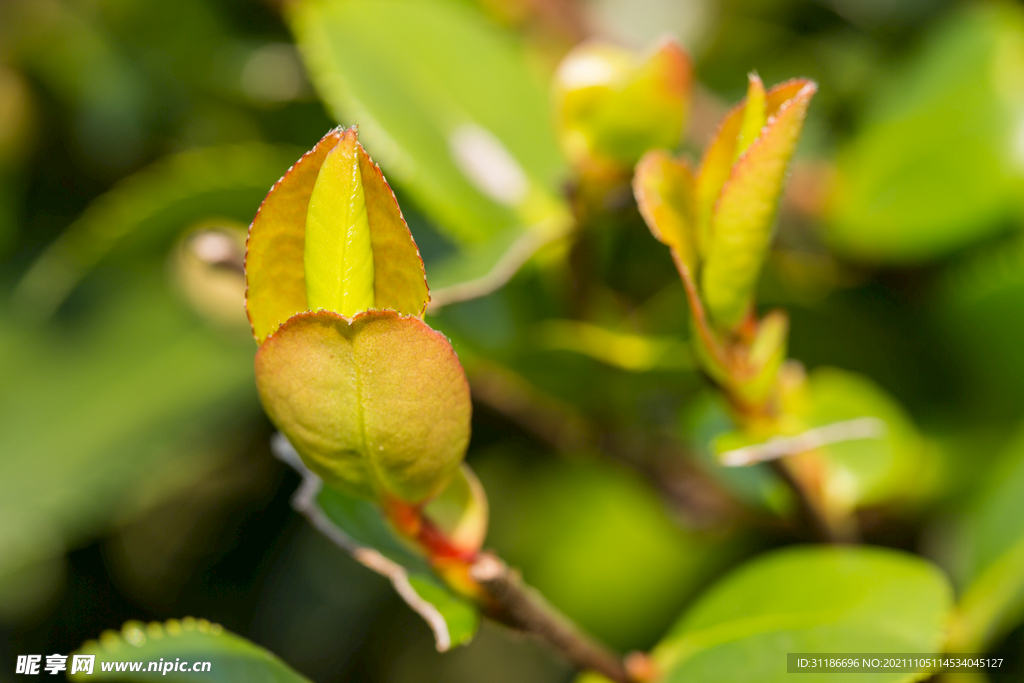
136, 480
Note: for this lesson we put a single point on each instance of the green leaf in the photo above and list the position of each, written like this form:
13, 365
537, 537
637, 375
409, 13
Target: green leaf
807, 599
377, 404
664, 189
871, 450
449, 104
937, 165
120, 410
993, 602
359, 527
741, 223
278, 253
232, 659
580, 528
152, 206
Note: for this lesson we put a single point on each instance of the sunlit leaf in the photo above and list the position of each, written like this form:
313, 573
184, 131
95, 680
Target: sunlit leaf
741, 223
275, 258
188, 641
375, 404
451, 108
807, 600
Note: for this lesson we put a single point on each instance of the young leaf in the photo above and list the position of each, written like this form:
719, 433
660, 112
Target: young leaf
470, 139
338, 255
460, 511
358, 526
809, 599
754, 115
741, 224
274, 260
175, 642
663, 187
275, 263
377, 404
718, 159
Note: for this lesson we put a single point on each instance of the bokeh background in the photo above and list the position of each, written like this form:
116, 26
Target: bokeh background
136, 481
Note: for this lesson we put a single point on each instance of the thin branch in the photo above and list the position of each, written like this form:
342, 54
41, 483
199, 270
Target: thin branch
525, 609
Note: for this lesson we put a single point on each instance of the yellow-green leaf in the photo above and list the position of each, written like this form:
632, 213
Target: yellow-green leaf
754, 114
275, 259
400, 283
274, 272
719, 156
338, 255
663, 187
741, 224
378, 404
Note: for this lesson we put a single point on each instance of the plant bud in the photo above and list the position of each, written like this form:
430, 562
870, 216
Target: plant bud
373, 400
611, 107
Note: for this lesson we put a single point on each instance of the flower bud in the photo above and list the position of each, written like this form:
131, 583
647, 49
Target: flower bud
612, 107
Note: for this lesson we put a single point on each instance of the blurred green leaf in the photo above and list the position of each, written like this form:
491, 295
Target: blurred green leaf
898, 466
979, 303
871, 464
109, 416
854, 599
938, 163
151, 208
587, 528
993, 601
232, 659
451, 108
359, 527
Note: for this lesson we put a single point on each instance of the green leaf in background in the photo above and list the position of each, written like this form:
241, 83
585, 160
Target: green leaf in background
150, 207
881, 458
938, 162
993, 602
586, 528
805, 599
232, 659
358, 526
109, 417
979, 303
450, 107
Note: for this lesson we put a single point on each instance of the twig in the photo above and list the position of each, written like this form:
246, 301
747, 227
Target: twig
523, 608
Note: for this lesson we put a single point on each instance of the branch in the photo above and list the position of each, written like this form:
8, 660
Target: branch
523, 608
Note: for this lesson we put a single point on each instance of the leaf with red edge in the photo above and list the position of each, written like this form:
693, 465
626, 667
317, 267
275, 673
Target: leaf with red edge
741, 225
663, 187
274, 272
716, 165
275, 263
377, 404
